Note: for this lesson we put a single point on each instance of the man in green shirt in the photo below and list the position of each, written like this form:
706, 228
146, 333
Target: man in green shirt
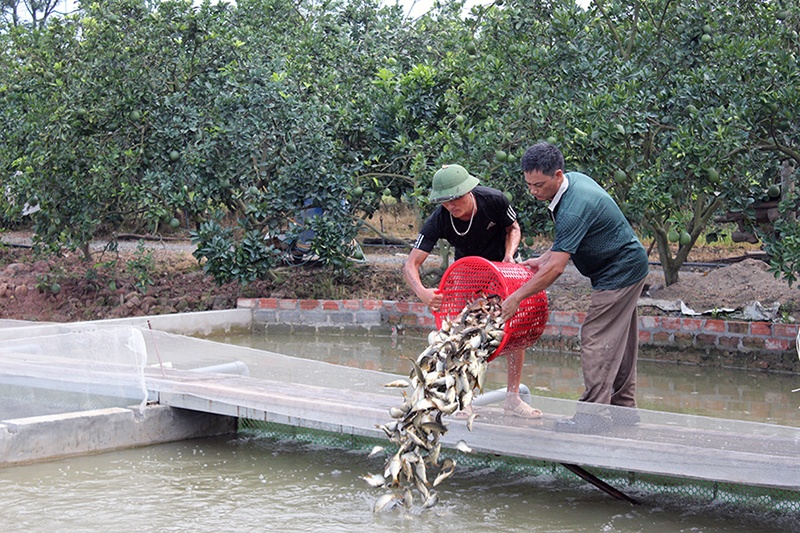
590, 230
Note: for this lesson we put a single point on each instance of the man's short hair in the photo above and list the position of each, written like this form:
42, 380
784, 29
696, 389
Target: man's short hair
542, 157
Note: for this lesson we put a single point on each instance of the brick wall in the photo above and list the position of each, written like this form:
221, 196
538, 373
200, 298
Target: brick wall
706, 341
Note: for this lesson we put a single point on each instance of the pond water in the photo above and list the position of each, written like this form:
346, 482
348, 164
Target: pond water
257, 482
263, 484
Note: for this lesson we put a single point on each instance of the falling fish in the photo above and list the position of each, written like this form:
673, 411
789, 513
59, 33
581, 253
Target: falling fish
471, 420
375, 480
445, 473
443, 379
431, 500
463, 447
387, 502
375, 451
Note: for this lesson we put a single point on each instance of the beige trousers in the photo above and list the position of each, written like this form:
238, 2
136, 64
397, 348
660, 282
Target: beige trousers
610, 346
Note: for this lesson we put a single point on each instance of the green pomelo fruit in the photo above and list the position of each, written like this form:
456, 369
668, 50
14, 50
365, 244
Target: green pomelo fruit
673, 236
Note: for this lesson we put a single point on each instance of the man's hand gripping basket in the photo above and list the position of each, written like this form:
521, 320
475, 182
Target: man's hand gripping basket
470, 278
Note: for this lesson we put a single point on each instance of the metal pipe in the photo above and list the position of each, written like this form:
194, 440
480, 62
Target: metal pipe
235, 367
497, 396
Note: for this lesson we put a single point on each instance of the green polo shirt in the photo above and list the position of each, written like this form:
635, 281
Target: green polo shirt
592, 229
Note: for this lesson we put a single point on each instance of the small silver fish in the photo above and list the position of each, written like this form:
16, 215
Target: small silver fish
431, 500
374, 480
408, 498
444, 474
375, 451
387, 502
463, 447
470, 420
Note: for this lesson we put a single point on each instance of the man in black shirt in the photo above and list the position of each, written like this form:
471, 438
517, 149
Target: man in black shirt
476, 221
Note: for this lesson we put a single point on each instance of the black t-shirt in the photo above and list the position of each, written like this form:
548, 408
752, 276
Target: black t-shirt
487, 235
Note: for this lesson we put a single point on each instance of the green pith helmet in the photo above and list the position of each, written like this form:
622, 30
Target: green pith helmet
451, 182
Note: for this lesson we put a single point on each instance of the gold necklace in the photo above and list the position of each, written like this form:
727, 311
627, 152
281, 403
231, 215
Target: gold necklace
474, 210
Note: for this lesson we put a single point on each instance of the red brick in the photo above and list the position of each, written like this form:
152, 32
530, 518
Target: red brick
419, 308
691, 324
570, 331
403, 307
728, 342
645, 336
785, 330
742, 328
753, 342
330, 305
351, 305
267, 303
425, 321
551, 331
371, 305
561, 317
309, 305
671, 324
714, 325
661, 337
287, 304
703, 339
683, 339
579, 318
761, 328
778, 345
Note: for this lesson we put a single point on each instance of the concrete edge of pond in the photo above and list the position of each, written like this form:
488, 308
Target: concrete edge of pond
40, 438
199, 323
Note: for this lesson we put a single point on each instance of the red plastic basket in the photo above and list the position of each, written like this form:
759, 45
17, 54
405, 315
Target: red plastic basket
472, 277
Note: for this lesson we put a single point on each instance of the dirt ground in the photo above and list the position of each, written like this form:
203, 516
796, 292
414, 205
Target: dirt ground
169, 280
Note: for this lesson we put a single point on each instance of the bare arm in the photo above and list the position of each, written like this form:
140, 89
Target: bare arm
513, 236
411, 274
546, 269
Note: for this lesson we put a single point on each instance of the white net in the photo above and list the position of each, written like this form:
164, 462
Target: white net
74, 370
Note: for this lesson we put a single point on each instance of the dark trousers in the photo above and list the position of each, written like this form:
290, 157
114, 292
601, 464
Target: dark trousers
610, 346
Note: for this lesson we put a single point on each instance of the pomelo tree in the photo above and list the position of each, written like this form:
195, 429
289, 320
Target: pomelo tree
234, 120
